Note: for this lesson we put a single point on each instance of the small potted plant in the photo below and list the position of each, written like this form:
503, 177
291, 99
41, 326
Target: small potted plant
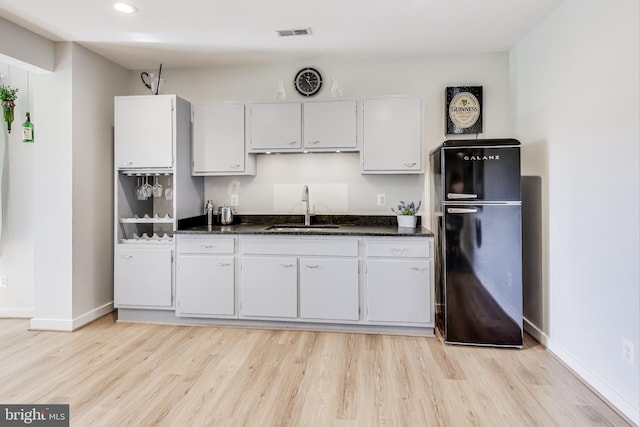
406, 214
8, 96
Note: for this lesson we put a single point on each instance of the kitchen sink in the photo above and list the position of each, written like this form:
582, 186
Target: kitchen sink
301, 227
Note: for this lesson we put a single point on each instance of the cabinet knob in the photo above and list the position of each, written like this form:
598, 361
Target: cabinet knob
292, 142
286, 265
224, 264
410, 164
234, 166
313, 142
418, 268
312, 266
126, 163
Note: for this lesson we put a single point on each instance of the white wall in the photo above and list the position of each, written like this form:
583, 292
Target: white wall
24, 49
73, 162
576, 85
95, 82
17, 201
334, 179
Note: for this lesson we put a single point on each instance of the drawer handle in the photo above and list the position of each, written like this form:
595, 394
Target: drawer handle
409, 164
292, 142
286, 265
418, 268
312, 266
224, 264
397, 250
126, 163
314, 142
127, 256
207, 246
235, 166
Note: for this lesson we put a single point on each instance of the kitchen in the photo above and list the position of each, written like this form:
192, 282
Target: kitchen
518, 92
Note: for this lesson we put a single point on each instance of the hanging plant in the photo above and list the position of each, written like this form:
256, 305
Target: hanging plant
8, 95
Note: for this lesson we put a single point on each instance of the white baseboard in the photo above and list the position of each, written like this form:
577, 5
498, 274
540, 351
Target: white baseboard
16, 312
70, 325
535, 332
598, 385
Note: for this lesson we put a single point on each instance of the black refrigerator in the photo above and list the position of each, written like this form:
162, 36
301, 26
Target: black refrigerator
476, 215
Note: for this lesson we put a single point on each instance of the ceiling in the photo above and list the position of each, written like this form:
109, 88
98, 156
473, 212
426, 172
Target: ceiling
191, 33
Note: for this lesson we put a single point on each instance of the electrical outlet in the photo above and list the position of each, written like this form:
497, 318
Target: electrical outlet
382, 200
233, 200
4, 281
628, 352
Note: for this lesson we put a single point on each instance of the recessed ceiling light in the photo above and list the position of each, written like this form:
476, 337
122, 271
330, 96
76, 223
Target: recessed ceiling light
124, 7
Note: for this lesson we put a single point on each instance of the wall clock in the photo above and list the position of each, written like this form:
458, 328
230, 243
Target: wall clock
463, 107
308, 81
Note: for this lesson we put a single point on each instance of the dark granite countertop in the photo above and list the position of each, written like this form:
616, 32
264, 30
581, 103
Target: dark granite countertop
348, 225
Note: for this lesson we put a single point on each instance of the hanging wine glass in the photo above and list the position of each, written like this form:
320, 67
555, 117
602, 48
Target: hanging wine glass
140, 190
157, 187
168, 192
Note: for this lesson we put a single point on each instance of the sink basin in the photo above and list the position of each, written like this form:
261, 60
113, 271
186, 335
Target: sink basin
301, 227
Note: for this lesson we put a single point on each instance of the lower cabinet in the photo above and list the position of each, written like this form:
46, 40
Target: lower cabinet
268, 286
329, 288
205, 277
143, 276
399, 282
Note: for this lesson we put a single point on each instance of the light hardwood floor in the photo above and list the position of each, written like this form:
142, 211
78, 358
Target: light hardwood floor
119, 374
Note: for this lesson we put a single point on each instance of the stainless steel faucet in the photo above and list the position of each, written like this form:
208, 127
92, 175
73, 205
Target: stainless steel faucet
305, 201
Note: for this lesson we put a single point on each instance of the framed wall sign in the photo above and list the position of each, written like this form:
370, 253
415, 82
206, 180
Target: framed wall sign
463, 109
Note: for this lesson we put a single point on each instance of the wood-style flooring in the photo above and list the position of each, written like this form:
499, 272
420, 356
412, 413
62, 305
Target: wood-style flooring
125, 374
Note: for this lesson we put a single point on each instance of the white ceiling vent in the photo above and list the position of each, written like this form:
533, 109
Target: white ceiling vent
302, 32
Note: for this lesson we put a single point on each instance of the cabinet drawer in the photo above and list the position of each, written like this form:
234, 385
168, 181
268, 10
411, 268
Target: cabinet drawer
198, 245
299, 247
414, 248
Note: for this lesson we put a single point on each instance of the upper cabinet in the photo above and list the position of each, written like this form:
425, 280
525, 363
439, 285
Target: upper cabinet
144, 131
308, 126
275, 126
218, 145
392, 136
330, 125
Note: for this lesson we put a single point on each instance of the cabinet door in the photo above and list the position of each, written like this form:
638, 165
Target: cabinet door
268, 286
329, 288
143, 276
204, 285
392, 135
398, 290
218, 138
276, 126
144, 131
330, 125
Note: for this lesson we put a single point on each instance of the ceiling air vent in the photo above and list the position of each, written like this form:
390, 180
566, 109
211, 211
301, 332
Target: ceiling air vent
302, 32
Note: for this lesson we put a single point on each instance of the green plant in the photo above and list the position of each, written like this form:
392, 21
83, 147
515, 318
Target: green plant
8, 95
404, 209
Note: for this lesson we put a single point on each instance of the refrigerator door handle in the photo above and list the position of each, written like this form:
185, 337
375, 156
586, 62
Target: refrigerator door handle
461, 196
461, 210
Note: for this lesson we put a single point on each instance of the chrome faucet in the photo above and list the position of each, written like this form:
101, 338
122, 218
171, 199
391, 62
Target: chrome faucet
305, 201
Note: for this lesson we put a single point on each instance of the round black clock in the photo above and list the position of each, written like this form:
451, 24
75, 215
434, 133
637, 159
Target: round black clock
308, 81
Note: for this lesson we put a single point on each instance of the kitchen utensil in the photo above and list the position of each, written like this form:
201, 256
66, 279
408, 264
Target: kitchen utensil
225, 214
157, 187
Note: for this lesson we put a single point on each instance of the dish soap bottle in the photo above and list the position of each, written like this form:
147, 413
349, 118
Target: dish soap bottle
27, 130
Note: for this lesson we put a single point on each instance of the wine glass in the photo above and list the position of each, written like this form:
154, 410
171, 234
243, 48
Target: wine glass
157, 187
140, 190
148, 190
168, 192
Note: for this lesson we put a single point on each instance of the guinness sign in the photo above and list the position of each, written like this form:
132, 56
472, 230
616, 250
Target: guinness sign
463, 109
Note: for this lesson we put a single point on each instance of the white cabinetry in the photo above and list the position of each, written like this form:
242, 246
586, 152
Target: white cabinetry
143, 276
399, 283
218, 146
392, 136
144, 131
275, 126
321, 273
329, 288
330, 125
309, 126
143, 226
205, 277
268, 286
